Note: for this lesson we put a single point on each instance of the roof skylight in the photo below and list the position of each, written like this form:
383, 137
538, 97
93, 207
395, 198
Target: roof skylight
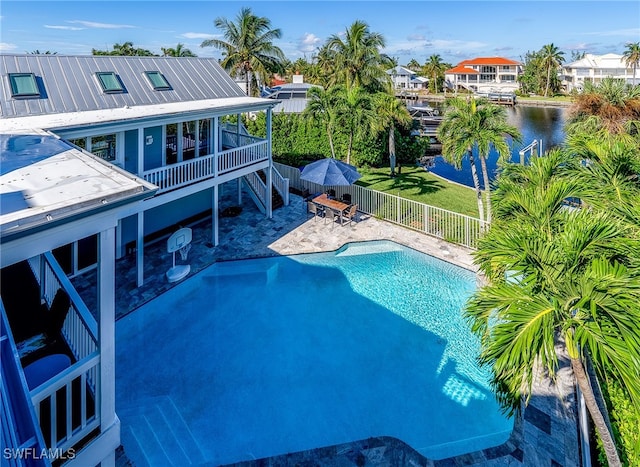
23, 85
109, 81
157, 80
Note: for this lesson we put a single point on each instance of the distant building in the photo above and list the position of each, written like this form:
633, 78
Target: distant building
484, 74
592, 68
404, 78
292, 96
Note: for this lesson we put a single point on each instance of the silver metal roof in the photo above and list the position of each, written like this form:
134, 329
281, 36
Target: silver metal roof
69, 84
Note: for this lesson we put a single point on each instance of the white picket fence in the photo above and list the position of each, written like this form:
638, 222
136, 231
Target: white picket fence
441, 223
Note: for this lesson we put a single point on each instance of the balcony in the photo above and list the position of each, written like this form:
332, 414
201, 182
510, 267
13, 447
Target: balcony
243, 151
65, 403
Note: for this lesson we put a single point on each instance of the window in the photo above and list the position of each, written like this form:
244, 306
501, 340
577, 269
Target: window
104, 147
23, 85
157, 80
109, 81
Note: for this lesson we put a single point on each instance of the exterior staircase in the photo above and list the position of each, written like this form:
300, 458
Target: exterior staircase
156, 434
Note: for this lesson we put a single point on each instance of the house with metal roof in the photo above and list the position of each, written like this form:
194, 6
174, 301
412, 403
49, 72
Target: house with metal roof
593, 68
404, 78
100, 154
484, 75
292, 96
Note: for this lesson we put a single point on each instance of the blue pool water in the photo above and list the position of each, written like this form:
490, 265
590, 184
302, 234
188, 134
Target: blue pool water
255, 358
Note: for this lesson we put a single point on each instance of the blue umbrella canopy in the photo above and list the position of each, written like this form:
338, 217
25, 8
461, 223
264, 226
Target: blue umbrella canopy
330, 172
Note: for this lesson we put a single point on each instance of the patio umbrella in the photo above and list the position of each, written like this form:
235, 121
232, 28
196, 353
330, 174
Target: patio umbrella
330, 172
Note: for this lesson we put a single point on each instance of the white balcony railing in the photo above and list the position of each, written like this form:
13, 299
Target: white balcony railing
67, 405
185, 173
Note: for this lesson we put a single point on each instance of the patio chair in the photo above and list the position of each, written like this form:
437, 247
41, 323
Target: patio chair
314, 209
349, 214
331, 215
346, 198
331, 193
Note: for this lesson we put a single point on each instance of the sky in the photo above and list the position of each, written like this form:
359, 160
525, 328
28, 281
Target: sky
417, 29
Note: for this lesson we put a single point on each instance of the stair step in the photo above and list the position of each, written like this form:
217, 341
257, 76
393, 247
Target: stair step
154, 433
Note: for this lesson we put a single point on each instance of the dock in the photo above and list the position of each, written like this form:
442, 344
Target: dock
505, 98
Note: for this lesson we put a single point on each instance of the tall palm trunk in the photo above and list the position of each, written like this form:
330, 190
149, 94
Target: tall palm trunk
546, 90
333, 151
392, 150
596, 415
487, 188
476, 184
349, 148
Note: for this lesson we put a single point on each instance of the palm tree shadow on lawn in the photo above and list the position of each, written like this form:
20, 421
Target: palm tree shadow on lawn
411, 183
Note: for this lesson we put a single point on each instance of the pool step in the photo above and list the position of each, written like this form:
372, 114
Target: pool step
155, 433
259, 270
367, 248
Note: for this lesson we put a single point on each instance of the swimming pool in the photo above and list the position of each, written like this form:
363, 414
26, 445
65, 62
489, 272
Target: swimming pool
256, 358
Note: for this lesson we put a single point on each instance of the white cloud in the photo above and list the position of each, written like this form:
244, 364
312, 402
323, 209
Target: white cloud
199, 35
308, 42
634, 32
92, 24
6, 47
66, 28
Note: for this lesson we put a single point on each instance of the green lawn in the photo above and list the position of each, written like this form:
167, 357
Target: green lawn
417, 184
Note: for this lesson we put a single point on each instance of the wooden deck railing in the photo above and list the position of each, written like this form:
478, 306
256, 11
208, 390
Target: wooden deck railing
441, 223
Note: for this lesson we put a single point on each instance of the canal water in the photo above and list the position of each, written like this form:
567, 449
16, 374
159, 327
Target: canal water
535, 123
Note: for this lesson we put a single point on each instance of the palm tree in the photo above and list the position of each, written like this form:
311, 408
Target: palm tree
551, 58
390, 111
322, 105
46, 52
413, 65
248, 47
469, 124
631, 57
354, 113
434, 68
610, 104
358, 59
556, 276
124, 49
179, 51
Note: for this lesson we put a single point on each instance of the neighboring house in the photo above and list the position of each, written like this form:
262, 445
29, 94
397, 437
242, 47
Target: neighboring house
484, 74
593, 68
292, 96
101, 154
404, 78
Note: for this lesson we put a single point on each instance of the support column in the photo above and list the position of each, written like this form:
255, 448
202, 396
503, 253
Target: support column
140, 250
106, 327
141, 146
269, 196
215, 141
214, 216
239, 191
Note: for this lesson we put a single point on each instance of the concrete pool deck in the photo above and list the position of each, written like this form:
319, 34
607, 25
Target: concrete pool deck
545, 435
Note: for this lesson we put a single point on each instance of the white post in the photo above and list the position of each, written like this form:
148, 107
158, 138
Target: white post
141, 145
215, 134
239, 191
140, 250
106, 330
268, 196
214, 216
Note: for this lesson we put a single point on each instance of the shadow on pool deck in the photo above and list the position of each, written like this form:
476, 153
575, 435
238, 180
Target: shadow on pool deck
546, 434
